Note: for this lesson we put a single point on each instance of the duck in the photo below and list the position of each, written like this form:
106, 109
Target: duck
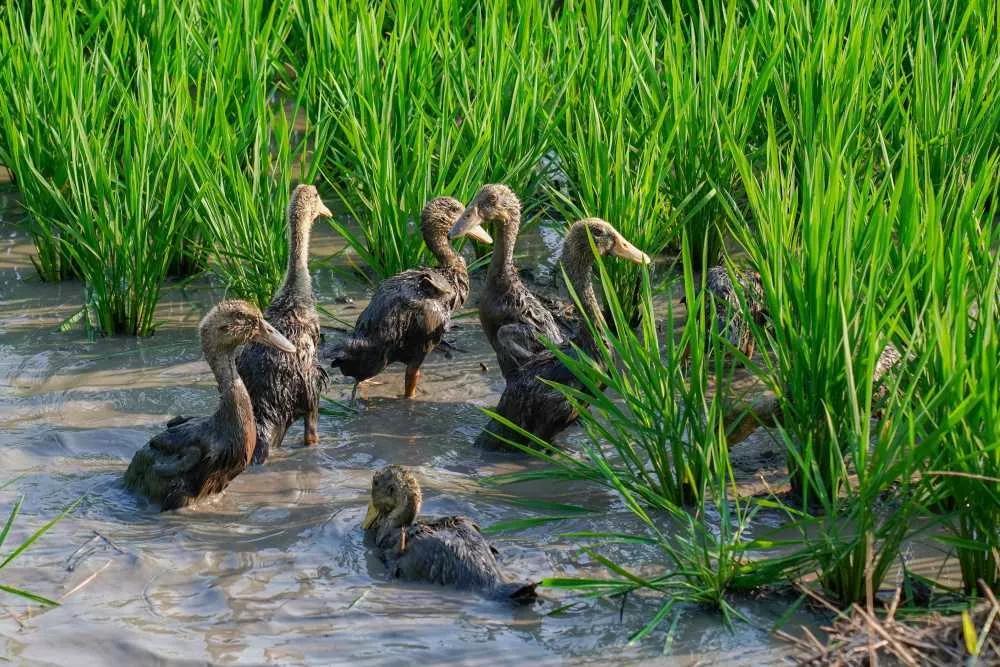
410, 312
515, 320
448, 551
527, 401
730, 321
196, 457
285, 388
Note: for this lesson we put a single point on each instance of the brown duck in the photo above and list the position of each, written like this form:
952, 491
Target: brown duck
450, 551
514, 320
529, 402
286, 387
198, 456
409, 312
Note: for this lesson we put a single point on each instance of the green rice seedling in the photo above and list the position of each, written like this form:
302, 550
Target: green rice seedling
394, 144
821, 242
709, 71
610, 144
951, 314
507, 99
123, 207
24, 546
46, 67
242, 196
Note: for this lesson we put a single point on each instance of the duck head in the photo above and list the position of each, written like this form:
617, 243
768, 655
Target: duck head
305, 205
607, 240
493, 203
233, 323
436, 220
395, 499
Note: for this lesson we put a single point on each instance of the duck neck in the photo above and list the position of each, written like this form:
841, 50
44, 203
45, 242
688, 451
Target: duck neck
442, 250
297, 280
579, 272
235, 410
502, 264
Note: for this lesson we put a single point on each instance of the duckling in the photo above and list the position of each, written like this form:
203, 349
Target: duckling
527, 401
409, 312
197, 457
284, 388
514, 320
450, 551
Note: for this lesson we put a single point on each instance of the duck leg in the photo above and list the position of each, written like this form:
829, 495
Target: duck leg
311, 436
354, 393
412, 377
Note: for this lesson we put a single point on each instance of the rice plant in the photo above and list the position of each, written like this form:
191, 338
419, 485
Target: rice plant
952, 310
17, 551
46, 67
242, 196
394, 133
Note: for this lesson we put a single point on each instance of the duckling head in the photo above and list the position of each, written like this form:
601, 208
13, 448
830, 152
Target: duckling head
395, 499
607, 240
493, 203
305, 205
233, 323
436, 219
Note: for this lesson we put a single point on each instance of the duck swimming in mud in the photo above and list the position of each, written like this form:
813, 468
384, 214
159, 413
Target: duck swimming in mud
199, 456
285, 387
514, 319
529, 402
409, 312
450, 551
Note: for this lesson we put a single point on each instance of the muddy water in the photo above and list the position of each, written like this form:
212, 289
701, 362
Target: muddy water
274, 571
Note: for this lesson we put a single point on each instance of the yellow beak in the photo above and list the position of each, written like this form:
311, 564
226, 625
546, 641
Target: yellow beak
626, 250
370, 517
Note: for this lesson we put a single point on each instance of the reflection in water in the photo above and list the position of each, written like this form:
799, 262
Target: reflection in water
275, 569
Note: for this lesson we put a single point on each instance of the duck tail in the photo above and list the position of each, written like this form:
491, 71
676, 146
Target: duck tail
518, 593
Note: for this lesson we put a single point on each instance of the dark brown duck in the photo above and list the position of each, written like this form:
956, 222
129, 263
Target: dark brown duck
285, 387
514, 320
730, 321
450, 551
409, 312
529, 402
199, 456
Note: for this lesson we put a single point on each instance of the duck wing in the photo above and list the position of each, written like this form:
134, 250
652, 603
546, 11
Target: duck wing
449, 551
516, 344
564, 313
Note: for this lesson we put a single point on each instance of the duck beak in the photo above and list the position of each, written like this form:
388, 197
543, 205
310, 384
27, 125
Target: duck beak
470, 224
268, 335
322, 211
626, 250
370, 517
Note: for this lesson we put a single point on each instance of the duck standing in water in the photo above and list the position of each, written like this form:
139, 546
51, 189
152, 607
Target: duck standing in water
409, 312
450, 551
530, 403
284, 388
198, 456
514, 320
